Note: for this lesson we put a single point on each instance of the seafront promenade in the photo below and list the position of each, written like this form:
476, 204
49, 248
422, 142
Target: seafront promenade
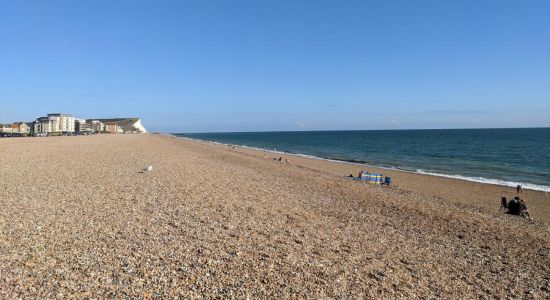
215, 222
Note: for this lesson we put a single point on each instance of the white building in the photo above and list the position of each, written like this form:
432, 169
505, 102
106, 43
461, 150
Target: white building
81, 127
55, 123
96, 125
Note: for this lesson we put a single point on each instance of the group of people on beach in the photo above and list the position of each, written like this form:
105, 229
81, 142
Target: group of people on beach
281, 159
517, 205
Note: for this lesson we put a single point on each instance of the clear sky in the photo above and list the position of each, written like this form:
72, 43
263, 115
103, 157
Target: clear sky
195, 66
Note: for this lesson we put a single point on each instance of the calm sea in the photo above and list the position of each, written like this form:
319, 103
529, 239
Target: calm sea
500, 156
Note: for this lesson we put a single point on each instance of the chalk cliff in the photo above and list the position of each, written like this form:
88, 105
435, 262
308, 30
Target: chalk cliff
127, 124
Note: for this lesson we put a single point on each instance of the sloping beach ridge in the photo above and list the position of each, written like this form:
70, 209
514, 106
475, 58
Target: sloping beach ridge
215, 222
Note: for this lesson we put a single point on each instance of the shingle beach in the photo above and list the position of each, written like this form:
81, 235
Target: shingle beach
79, 220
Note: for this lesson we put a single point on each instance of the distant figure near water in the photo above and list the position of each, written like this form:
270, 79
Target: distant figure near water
519, 189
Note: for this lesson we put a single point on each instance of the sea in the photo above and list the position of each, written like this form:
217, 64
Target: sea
498, 156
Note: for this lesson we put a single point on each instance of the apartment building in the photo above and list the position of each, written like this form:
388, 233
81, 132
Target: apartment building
82, 127
55, 123
111, 127
97, 126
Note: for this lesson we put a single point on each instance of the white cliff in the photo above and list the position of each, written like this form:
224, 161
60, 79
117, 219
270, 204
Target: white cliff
139, 127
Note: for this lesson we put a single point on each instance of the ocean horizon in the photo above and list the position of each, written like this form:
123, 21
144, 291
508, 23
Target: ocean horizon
503, 156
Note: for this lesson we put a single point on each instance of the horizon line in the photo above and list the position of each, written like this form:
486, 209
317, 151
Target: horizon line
332, 130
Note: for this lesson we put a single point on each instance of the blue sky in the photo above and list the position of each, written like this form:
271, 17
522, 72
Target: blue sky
195, 66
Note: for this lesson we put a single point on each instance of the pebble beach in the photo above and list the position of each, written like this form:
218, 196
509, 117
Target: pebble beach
78, 219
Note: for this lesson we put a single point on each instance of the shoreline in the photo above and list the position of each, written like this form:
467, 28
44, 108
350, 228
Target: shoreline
460, 192
481, 180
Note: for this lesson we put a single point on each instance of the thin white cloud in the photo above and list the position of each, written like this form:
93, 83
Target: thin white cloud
456, 112
309, 125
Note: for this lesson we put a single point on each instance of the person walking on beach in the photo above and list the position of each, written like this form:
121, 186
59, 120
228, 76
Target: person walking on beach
519, 189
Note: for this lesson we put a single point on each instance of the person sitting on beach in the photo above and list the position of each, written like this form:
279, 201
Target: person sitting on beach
280, 159
523, 211
503, 204
513, 206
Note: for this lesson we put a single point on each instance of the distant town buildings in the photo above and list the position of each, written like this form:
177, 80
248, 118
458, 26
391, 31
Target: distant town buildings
20, 127
15, 128
5, 128
96, 125
111, 127
80, 125
55, 123
67, 124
